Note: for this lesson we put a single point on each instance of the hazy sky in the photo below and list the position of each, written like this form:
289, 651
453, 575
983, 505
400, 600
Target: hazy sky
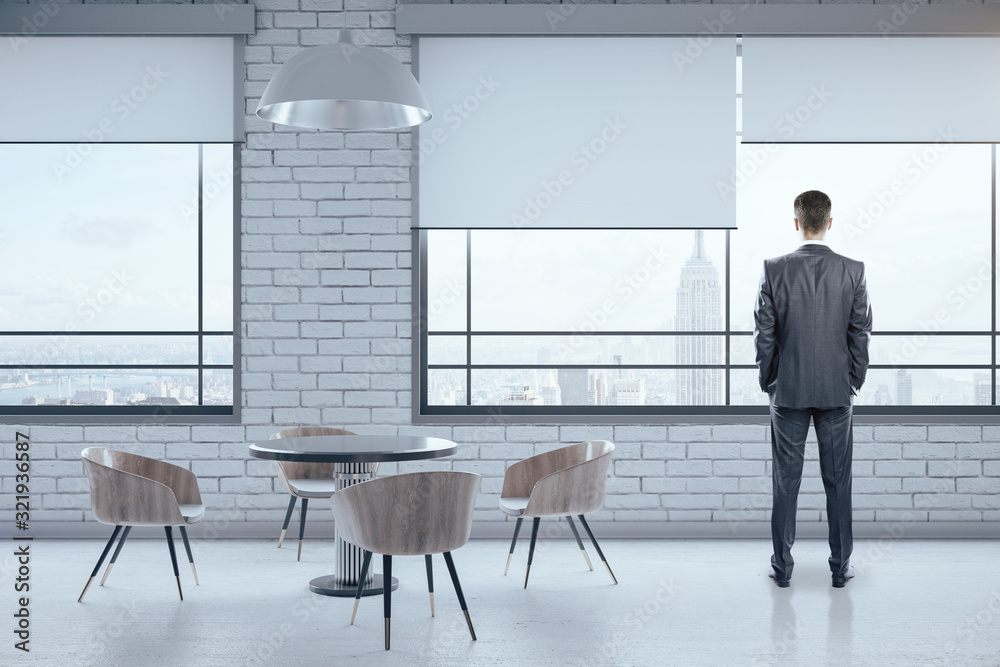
82, 221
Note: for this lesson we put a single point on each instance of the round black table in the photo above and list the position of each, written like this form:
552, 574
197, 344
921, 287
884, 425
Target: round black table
356, 458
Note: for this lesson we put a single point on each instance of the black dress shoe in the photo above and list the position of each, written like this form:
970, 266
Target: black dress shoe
781, 583
839, 581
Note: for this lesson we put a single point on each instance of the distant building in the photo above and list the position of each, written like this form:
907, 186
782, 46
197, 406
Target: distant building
442, 389
882, 395
627, 391
597, 389
551, 395
603, 350
904, 388
573, 386
550, 392
699, 308
982, 388
32, 400
524, 397
94, 397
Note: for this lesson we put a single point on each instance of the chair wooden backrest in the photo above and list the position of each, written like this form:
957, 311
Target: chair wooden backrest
566, 481
290, 470
408, 515
132, 490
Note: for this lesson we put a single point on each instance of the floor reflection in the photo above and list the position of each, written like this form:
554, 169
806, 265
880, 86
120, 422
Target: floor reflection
784, 628
840, 627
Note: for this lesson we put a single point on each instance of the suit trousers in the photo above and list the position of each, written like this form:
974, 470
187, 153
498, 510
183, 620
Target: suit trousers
834, 433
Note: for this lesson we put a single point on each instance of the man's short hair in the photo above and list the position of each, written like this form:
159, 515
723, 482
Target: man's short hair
812, 209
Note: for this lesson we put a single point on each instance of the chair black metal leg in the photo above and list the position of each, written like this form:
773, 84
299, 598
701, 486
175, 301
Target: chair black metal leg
458, 592
597, 546
173, 559
387, 595
187, 547
531, 549
114, 556
288, 517
579, 542
361, 582
430, 580
302, 525
104, 554
513, 542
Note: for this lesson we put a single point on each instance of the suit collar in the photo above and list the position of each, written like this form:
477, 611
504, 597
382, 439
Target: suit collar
813, 247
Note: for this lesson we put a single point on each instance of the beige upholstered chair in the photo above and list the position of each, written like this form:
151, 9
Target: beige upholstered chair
566, 481
417, 514
305, 480
130, 490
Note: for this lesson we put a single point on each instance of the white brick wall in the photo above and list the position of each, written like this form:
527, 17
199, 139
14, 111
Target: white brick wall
326, 325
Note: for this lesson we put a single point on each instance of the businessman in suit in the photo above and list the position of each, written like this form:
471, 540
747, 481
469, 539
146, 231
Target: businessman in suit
812, 321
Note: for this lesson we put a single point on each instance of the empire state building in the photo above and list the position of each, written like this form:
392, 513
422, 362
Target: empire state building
699, 308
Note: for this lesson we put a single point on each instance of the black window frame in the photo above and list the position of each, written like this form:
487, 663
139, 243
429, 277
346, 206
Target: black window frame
199, 413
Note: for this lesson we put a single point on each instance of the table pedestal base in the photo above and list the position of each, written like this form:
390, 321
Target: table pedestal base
327, 585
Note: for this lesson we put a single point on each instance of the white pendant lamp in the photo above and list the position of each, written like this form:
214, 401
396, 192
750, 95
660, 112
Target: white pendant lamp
344, 86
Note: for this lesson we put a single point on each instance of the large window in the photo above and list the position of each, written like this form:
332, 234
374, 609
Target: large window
611, 317
626, 321
118, 279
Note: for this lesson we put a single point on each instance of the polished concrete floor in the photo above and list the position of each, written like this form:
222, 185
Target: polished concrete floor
683, 602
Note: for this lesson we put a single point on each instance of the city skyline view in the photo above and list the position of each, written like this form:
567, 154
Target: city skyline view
115, 387
129, 382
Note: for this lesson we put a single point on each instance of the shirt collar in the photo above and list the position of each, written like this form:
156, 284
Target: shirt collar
816, 242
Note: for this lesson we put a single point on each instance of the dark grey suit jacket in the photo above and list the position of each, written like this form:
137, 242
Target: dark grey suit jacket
812, 322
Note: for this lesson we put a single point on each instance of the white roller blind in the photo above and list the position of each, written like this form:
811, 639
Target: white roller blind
871, 89
135, 89
576, 132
